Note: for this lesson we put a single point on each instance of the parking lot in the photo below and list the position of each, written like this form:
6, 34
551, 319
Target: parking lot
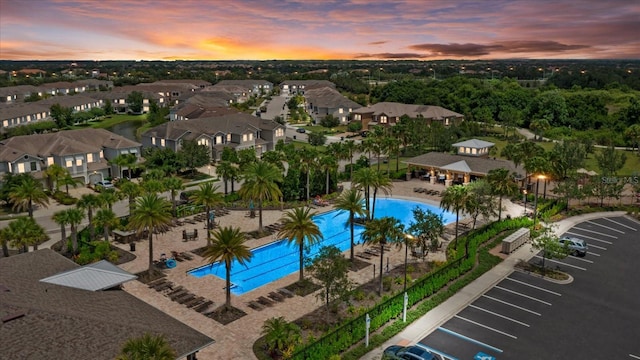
595, 316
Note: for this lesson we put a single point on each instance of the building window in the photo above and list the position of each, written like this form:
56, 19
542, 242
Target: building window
78, 162
228, 137
250, 137
162, 142
20, 168
90, 158
357, 117
34, 166
340, 111
474, 151
153, 141
218, 139
50, 161
446, 121
68, 163
244, 137
383, 119
279, 132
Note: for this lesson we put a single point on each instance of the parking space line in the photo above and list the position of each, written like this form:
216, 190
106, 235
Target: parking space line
535, 287
582, 259
463, 337
634, 356
592, 253
595, 232
512, 305
563, 263
589, 237
605, 226
621, 224
432, 350
523, 295
499, 315
632, 219
485, 326
597, 247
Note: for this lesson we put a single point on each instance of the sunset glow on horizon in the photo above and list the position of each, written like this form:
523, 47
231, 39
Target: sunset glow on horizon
319, 30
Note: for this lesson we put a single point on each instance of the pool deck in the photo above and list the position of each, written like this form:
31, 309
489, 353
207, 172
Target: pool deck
235, 340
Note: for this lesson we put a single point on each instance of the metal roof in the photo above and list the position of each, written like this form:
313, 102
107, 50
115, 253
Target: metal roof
93, 277
474, 143
460, 166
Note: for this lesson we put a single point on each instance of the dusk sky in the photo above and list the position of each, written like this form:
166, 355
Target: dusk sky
318, 29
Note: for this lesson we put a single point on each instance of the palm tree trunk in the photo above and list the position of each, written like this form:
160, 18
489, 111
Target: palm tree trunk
63, 235
92, 230
226, 181
308, 175
30, 208
327, 184
5, 249
150, 249
227, 266
351, 226
381, 264
455, 242
301, 261
373, 203
106, 234
208, 225
260, 215
74, 239
500, 208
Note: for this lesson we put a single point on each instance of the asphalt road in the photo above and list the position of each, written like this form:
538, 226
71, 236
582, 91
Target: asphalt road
596, 316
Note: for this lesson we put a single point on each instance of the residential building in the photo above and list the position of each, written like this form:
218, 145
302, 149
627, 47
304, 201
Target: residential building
85, 153
389, 113
238, 131
250, 87
298, 87
326, 100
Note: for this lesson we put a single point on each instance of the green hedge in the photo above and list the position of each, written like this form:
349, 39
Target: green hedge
353, 331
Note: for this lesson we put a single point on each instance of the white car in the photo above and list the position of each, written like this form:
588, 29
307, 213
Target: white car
103, 185
577, 247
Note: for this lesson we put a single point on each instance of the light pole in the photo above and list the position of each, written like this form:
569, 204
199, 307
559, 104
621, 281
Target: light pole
408, 238
524, 195
434, 73
535, 203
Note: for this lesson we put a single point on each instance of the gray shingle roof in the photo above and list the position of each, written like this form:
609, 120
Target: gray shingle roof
65, 323
477, 165
474, 143
394, 109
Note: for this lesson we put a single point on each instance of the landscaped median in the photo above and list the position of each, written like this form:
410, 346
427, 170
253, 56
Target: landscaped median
424, 294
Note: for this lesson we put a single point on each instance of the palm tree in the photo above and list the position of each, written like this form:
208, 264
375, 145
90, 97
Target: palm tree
54, 172
108, 197
260, 184
353, 202
107, 220
124, 161
539, 126
502, 185
131, 190
382, 232
89, 202
228, 245
350, 147
75, 216
327, 164
148, 346
207, 196
62, 218
173, 184
298, 228
27, 194
454, 199
364, 179
68, 180
24, 232
307, 158
280, 335
151, 213
226, 170
383, 183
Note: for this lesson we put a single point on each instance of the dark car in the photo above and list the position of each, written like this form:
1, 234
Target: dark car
397, 352
301, 130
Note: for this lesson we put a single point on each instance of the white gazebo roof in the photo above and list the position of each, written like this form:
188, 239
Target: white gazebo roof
93, 277
474, 144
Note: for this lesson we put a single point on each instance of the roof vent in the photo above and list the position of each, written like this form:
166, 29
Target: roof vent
12, 317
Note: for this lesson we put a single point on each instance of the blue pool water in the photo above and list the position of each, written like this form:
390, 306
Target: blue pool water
279, 259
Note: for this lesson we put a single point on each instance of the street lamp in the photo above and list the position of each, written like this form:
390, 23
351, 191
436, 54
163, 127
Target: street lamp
408, 238
535, 204
524, 195
434, 73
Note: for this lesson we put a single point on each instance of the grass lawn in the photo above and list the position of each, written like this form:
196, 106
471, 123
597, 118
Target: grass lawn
111, 120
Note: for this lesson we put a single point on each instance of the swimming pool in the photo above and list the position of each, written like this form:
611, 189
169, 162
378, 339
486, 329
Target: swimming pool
278, 259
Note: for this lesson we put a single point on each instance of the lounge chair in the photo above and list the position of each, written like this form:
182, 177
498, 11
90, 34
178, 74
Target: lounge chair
185, 299
265, 301
275, 296
286, 292
254, 305
364, 256
179, 294
193, 302
203, 307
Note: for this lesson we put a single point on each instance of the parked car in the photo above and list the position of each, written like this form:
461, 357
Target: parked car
103, 185
301, 130
577, 247
397, 352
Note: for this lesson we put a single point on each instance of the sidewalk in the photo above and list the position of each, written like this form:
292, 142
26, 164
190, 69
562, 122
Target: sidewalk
442, 313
